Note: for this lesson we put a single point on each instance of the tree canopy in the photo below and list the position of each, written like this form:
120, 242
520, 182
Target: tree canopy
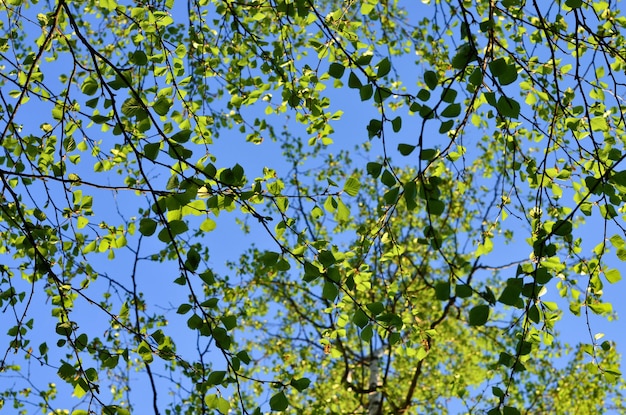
311, 206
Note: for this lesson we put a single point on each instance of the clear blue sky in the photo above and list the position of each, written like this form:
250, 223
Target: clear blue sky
227, 241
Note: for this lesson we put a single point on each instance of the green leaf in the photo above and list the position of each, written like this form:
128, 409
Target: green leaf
183, 308
479, 315
195, 322
216, 378
353, 81
367, 333
208, 225
330, 291
451, 111
384, 66
81, 341
374, 169
444, 128
360, 318
181, 136
98, 119
497, 392
410, 195
405, 149
509, 410
463, 291
151, 150
311, 272
177, 227
376, 308
612, 275
139, 58
442, 291
601, 308
193, 260
512, 292
508, 107
388, 179
162, 105
132, 108
506, 73
391, 196
574, 4
449, 95
147, 226
374, 128
431, 79
464, 55
562, 228
326, 258
217, 402
367, 7
423, 94
279, 402
330, 204
476, 78
244, 357
364, 59
352, 186
145, 352
229, 322
381, 95
90, 86
435, 207
336, 70
343, 212
428, 154
365, 92
396, 124
300, 384
109, 5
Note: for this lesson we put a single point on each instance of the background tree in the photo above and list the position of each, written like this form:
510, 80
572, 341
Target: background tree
423, 192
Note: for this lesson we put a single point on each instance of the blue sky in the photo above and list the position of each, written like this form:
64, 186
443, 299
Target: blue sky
227, 241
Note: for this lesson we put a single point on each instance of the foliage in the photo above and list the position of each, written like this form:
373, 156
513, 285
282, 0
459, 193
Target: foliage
423, 193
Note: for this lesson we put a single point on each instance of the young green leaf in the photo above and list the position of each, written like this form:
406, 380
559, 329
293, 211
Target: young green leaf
352, 186
612, 275
214, 401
